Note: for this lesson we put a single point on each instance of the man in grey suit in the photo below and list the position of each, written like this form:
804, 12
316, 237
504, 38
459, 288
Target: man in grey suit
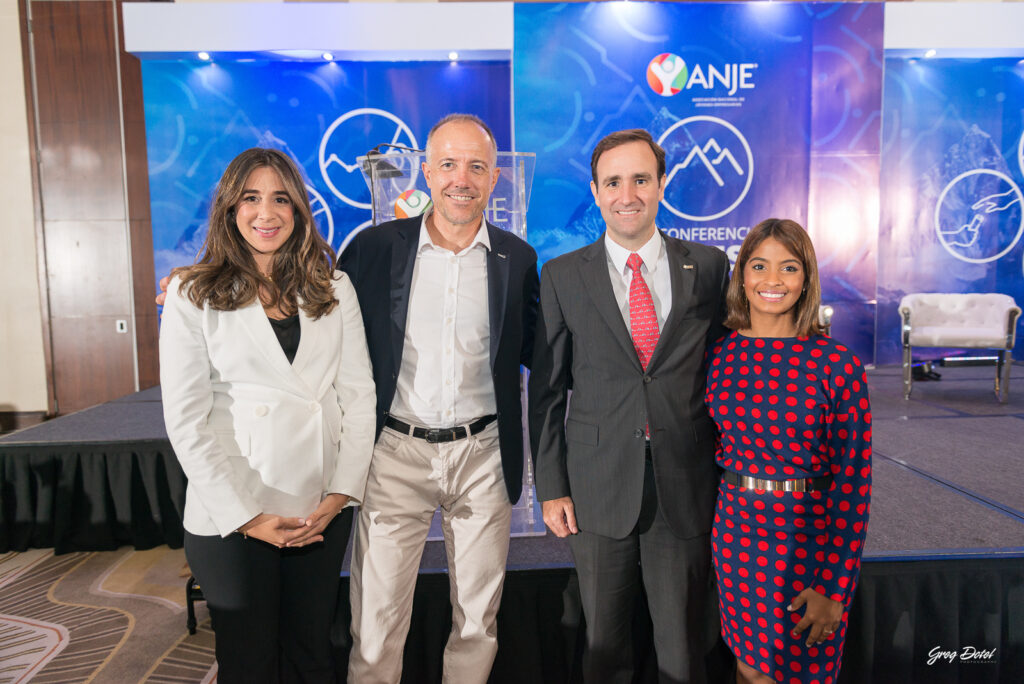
626, 469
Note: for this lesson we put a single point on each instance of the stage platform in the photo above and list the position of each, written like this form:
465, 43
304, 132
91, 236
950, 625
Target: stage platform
943, 565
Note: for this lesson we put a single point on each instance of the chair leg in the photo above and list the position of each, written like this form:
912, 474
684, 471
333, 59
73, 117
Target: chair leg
190, 606
908, 376
1003, 366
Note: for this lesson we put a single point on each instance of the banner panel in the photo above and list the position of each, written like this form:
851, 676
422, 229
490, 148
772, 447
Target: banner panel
749, 100
199, 115
952, 179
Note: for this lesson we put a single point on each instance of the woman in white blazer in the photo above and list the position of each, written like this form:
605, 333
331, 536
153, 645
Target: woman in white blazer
269, 405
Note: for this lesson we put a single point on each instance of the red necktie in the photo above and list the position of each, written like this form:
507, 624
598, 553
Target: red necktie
643, 321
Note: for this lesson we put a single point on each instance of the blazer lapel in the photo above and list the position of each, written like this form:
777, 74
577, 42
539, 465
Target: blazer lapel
254, 320
403, 258
309, 334
594, 269
497, 285
683, 276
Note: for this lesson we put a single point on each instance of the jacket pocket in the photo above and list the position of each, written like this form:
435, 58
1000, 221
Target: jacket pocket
583, 433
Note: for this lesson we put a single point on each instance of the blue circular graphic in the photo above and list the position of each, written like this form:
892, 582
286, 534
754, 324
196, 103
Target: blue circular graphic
978, 216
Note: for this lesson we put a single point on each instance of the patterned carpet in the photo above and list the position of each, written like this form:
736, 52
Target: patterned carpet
110, 617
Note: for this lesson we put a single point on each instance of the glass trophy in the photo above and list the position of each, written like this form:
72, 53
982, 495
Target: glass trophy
398, 190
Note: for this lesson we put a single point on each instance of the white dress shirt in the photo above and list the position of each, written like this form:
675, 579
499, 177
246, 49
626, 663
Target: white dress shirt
445, 377
655, 270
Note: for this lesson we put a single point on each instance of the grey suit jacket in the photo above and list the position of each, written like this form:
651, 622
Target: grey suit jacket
592, 447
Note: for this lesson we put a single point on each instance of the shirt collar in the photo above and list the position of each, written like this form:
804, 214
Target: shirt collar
650, 252
482, 237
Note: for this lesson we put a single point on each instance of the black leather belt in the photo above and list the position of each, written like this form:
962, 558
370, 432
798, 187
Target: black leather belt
807, 484
438, 435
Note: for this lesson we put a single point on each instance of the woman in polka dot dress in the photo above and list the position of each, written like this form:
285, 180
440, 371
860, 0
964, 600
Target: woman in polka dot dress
792, 408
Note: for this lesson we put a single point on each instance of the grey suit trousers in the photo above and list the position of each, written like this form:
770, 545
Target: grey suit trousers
676, 574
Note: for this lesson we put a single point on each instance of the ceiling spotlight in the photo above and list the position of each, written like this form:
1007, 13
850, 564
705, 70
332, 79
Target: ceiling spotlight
930, 53
328, 56
205, 56
453, 56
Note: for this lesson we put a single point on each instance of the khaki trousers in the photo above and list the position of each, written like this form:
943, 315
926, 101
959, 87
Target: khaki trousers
409, 478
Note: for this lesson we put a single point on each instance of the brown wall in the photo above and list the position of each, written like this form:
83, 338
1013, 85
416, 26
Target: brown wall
93, 202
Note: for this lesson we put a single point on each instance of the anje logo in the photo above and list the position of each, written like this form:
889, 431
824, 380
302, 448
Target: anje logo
667, 74
411, 203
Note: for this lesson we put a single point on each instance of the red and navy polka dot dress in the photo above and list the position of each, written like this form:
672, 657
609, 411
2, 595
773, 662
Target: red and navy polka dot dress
788, 408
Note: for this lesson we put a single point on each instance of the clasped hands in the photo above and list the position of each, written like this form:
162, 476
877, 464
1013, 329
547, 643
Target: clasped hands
295, 532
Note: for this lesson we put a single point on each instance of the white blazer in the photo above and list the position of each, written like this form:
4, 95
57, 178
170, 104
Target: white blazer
254, 433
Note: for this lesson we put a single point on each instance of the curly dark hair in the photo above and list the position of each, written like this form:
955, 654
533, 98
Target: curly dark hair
226, 275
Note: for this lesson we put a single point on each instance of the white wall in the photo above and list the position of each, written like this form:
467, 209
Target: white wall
947, 26
351, 30
22, 368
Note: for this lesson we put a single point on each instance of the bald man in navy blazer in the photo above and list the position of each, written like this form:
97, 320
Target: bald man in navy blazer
449, 304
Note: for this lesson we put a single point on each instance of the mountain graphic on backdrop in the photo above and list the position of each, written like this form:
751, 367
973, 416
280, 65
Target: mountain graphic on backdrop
720, 155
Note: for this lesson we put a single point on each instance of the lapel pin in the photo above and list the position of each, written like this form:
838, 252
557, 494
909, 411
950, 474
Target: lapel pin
688, 267
501, 255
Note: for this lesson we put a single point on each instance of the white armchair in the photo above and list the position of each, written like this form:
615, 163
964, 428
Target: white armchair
970, 321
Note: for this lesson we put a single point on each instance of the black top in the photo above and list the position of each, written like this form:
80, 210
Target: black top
288, 332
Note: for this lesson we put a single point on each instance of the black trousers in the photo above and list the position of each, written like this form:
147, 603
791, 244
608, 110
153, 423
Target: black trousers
271, 608
676, 574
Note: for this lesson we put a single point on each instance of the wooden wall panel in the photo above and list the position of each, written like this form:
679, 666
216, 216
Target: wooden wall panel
137, 180
146, 320
87, 272
80, 170
81, 184
136, 161
91, 364
74, 43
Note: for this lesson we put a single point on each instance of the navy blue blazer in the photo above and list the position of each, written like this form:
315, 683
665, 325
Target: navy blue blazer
380, 263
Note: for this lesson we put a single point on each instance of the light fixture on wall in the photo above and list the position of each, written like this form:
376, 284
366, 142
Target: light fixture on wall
929, 53
328, 56
205, 56
453, 56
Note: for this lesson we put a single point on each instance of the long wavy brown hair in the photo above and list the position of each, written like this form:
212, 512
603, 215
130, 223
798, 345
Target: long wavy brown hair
226, 276
794, 238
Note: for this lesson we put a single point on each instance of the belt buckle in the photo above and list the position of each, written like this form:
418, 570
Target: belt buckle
434, 435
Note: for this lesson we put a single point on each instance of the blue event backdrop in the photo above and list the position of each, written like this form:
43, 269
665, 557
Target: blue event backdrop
952, 176
199, 115
765, 109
